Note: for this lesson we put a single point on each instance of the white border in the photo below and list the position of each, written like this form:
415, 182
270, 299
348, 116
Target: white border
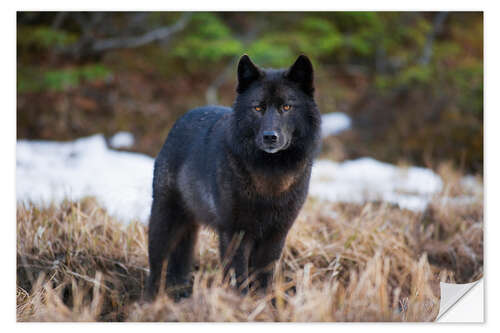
7, 141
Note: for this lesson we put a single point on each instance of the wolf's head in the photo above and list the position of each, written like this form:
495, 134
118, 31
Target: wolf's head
275, 109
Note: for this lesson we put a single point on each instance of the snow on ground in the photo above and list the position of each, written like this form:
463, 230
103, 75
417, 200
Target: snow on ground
122, 140
121, 181
334, 123
52, 171
366, 179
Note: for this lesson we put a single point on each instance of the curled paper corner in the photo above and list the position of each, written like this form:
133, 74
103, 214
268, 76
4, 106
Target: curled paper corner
461, 302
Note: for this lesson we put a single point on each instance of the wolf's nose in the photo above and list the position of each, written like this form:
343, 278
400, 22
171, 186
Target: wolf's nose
270, 137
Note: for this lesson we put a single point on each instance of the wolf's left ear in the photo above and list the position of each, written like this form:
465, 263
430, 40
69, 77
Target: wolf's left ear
301, 72
247, 73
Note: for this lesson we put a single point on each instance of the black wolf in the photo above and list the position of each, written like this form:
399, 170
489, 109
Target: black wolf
243, 171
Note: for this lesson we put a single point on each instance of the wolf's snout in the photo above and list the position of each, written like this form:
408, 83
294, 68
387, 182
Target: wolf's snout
270, 137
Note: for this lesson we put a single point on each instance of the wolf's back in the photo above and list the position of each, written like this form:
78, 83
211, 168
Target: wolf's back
189, 138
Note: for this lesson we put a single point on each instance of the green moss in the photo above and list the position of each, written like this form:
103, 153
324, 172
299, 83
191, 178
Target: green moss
208, 40
43, 37
32, 79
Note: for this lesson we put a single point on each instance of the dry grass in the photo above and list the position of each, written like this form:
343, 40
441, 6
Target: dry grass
342, 262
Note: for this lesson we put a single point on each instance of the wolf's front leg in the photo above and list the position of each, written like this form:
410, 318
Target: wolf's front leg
263, 259
235, 252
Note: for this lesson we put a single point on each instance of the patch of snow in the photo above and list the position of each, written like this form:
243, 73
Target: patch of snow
461, 200
52, 171
471, 184
334, 123
122, 140
366, 179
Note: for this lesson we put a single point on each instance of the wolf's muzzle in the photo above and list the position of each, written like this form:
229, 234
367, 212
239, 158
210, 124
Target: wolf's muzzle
270, 137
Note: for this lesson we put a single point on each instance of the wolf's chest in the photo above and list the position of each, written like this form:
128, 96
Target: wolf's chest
272, 185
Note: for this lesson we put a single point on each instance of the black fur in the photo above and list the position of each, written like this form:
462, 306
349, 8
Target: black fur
218, 168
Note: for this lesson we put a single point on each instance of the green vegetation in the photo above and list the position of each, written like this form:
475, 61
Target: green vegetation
33, 79
43, 37
209, 41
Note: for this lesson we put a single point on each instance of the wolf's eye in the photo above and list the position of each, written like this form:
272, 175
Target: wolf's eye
287, 107
258, 108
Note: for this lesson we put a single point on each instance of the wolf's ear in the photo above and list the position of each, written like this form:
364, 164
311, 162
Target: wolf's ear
247, 73
301, 72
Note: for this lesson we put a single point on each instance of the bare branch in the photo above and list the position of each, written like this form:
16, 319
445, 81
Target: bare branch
211, 95
136, 41
59, 19
437, 26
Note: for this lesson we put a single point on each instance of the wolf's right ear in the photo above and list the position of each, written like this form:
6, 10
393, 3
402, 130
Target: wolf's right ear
247, 73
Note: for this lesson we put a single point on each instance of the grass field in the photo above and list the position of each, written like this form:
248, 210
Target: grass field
341, 262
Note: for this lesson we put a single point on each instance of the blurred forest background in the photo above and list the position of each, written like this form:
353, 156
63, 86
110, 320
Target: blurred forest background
412, 82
